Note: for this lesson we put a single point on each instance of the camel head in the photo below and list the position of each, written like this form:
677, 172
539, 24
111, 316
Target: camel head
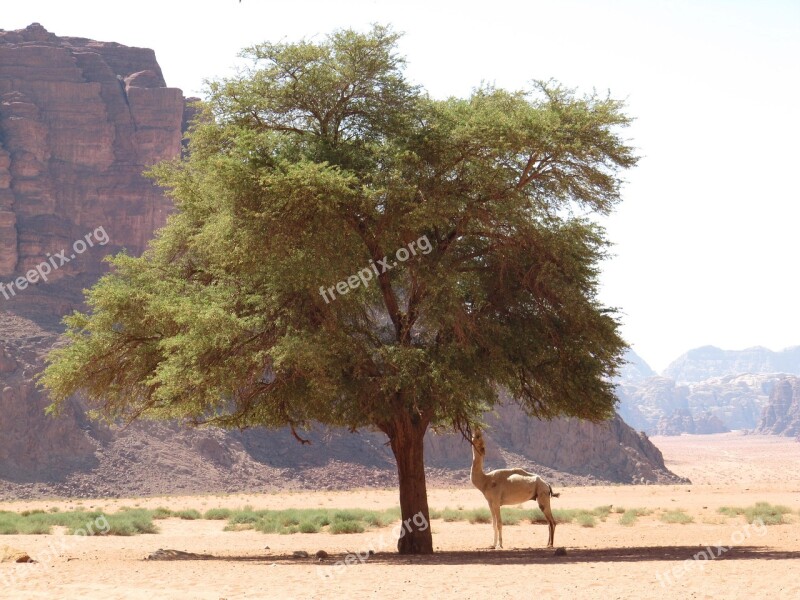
477, 442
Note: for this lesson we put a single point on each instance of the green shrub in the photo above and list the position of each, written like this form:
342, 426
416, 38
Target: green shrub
630, 516
602, 512
9, 522
40, 522
292, 520
189, 514
217, 514
287, 518
730, 511
348, 515
562, 515
324, 520
677, 516
342, 526
511, 516
309, 527
479, 515
764, 512
586, 519
161, 513
243, 517
33, 526
289, 530
262, 525
377, 519
129, 522
449, 515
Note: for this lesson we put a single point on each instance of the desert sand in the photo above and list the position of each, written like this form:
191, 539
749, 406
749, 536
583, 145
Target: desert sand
651, 559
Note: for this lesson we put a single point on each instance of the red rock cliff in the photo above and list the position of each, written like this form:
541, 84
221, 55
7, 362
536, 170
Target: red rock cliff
79, 122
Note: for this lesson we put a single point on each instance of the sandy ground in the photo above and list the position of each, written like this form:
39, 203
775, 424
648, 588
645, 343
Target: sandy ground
651, 559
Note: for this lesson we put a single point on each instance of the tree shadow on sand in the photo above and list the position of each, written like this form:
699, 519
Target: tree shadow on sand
525, 556
585, 555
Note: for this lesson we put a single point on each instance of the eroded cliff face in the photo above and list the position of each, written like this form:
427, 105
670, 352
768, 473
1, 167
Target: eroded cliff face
660, 406
782, 415
684, 421
562, 450
32, 445
79, 122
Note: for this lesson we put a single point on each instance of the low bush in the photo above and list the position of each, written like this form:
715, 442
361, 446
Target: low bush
338, 527
764, 512
630, 516
217, 514
79, 522
161, 513
586, 520
678, 516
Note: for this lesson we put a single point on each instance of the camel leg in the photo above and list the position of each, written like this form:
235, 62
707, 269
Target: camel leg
497, 525
544, 506
494, 526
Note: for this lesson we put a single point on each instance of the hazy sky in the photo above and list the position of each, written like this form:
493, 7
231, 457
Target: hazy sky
706, 248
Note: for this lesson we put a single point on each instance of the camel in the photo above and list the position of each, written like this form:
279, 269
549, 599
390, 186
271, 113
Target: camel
509, 486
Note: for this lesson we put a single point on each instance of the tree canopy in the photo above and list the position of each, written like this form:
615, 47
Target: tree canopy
348, 250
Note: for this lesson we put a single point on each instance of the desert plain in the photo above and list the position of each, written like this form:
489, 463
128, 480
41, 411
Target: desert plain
713, 556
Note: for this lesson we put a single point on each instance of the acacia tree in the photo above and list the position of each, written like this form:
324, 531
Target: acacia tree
277, 294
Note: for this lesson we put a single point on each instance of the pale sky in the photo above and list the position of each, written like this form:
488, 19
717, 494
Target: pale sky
705, 238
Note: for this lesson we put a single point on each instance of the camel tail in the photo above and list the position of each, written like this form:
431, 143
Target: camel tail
552, 493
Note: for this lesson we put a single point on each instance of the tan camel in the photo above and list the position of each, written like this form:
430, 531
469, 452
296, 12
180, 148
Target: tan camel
509, 486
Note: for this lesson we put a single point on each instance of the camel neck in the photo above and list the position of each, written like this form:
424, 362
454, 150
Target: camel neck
476, 474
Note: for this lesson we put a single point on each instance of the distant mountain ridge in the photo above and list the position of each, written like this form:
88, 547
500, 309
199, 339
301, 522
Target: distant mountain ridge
705, 362
709, 390
635, 368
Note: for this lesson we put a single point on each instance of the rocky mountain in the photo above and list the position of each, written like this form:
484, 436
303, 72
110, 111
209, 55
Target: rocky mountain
634, 368
781, 416
706, 390
79, 122
73, 456
610, 451
660, 406
707, 362
684, 421
32, 445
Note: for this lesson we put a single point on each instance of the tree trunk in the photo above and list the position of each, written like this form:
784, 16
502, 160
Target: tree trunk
406, 437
